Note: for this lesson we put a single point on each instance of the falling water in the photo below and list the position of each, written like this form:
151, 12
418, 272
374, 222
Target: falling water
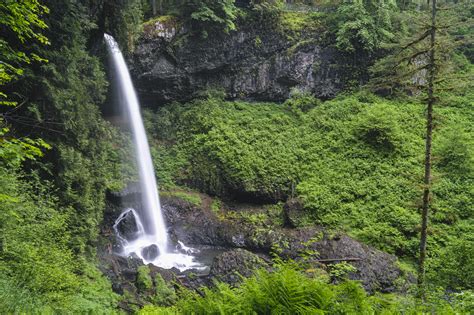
155, 225
151, 228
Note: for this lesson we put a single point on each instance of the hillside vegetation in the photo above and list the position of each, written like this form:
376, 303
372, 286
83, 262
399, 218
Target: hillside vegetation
355, 162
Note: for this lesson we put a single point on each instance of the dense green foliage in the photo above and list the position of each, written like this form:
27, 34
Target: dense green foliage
364, 25
288, 290
72, 85
51, 207
20, 22
123, 20
205, 16
39, 271
356, 162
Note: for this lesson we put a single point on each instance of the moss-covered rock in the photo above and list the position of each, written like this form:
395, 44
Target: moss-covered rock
231, 266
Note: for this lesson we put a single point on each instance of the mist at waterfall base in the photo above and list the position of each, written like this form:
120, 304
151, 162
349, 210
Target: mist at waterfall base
150, 239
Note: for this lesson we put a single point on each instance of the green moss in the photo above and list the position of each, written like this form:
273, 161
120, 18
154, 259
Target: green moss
163, 19
301, 45
192, 198
275, 213
341, 271
168, 21
294, 23
216, 206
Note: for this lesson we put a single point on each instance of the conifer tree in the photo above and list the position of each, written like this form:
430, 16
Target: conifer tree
423, 65
431, 68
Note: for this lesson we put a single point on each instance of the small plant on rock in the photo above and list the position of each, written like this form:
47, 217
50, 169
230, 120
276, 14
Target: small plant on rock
341, 271
144, 281
164, 295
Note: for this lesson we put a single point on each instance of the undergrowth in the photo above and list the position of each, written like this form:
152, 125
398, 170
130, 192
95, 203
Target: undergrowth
356, 162
289, 290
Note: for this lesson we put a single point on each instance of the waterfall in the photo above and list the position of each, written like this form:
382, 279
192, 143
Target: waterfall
155, 226
149, 223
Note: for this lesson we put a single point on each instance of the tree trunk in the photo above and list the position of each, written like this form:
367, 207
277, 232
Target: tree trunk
429, 134
153, 7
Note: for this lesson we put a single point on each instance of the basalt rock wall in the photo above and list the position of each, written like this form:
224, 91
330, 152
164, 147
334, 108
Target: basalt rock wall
255, 62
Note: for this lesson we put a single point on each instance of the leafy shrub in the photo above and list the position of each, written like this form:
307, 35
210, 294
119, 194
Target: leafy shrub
454, 268
207, 15
341, 271
363, 26
216, 206
38, 269
15, 151
301, 102
378, 127
246, 163
266, 12
286, 291
164, 295
456, 156
144, 281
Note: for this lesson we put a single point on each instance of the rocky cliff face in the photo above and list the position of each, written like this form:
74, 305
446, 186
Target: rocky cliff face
252, 63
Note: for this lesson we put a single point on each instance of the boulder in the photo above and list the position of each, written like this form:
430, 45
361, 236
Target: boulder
127, 227
232, 265
150, 252
375, 269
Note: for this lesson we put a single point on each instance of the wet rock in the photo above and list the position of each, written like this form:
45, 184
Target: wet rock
117, 287
238, 240
191, 224
128, 227
121, 271
126, 267
150, 252
293, 212
194, 225
134, 261
231, 266
375, 269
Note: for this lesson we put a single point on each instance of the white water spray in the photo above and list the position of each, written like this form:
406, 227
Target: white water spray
151, 228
